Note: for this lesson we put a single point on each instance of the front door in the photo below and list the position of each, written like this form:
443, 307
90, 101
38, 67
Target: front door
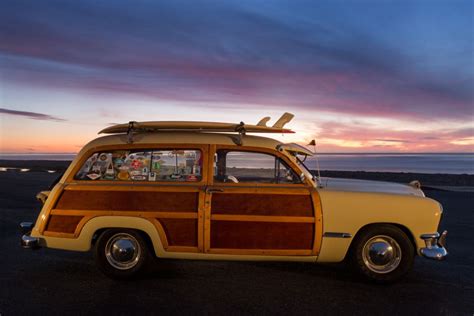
258, 205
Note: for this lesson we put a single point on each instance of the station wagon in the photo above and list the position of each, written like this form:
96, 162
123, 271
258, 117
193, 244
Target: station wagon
199, 190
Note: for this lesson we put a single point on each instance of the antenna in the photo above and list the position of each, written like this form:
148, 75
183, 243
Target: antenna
313, 143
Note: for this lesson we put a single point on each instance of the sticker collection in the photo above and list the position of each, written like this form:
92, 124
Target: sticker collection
163, 165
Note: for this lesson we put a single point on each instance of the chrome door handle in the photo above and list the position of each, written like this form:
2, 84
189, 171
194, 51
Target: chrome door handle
211, 190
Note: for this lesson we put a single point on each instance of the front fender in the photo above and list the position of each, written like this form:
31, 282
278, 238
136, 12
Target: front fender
348, 212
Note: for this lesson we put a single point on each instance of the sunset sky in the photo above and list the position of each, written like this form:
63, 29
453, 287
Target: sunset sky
360, 76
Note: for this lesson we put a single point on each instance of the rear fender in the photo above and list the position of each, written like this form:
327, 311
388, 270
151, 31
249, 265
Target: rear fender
84, 240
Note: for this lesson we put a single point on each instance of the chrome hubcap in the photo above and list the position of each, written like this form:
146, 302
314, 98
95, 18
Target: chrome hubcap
122, 251
381, 254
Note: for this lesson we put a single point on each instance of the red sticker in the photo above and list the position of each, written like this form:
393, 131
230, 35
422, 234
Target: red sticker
135, 164
191, 178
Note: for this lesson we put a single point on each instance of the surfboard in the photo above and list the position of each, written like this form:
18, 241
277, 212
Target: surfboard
155, 126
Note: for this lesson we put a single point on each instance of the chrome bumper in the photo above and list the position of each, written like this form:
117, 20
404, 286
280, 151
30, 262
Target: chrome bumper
27, 241
435, 246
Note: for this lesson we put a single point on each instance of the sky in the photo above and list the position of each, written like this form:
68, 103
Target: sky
360, 76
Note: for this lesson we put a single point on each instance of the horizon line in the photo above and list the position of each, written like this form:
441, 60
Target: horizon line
318, 153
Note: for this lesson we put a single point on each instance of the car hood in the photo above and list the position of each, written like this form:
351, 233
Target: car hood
341, 184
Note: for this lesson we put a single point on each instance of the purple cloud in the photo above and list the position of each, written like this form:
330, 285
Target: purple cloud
227, 53
31, 115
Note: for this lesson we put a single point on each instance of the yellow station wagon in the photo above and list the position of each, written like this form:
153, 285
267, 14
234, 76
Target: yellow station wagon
198, 190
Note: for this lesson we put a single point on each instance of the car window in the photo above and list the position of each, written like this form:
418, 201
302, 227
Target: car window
178, 165
251, 167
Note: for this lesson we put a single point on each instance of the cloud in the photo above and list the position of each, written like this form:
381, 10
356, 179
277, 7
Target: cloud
223, 52
337, 136
393, 140
31, 115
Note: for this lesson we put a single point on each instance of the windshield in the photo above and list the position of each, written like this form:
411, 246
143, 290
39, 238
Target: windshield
305, 169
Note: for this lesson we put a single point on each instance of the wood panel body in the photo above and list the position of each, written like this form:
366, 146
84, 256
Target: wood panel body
139, 201
63, 223
177, 222
176, 209
266, 219
244, 219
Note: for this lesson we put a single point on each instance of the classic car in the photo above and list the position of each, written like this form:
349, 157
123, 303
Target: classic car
200, 190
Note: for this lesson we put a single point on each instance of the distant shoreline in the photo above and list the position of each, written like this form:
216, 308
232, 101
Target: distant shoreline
319, 153
436, 180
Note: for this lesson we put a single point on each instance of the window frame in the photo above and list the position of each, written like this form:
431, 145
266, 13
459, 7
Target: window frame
276, 154
83, 157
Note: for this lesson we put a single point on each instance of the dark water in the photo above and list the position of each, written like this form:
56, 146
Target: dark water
418, 163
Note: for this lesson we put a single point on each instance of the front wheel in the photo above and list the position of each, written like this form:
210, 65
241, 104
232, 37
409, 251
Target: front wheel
121, 253
383, 253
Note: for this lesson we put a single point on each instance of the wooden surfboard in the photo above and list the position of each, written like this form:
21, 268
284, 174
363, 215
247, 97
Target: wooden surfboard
154, 126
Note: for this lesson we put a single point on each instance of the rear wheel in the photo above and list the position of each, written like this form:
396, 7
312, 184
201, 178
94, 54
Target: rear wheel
382, 253
121, 253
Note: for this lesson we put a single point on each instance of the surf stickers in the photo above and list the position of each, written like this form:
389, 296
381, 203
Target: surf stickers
109, 171
143, 165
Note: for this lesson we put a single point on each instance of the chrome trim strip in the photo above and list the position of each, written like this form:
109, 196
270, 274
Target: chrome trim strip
337, 235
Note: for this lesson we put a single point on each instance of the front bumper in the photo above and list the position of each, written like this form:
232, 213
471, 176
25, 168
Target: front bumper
435, 246
27, 241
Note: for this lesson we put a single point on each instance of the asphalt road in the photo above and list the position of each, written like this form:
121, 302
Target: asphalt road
58, 282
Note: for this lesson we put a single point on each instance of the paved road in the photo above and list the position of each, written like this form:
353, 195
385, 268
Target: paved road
58, 282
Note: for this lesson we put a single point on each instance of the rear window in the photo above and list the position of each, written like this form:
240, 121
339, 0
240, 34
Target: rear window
176, 165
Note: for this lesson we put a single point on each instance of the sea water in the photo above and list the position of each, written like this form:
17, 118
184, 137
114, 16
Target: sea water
418, 163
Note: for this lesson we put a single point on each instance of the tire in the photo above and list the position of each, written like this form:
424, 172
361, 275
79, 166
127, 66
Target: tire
382, 253
121, 253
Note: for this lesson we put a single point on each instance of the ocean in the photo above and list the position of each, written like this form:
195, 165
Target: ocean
417, 163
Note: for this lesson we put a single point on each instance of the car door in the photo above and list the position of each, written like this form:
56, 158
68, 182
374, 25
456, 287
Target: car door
258, 205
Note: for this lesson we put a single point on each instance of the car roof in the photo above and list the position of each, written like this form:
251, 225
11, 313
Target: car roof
184, 138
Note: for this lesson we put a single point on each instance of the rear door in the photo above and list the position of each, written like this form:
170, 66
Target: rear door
164, 184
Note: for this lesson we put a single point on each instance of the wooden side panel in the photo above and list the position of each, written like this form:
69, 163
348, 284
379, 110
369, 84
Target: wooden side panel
261, 235
176, 212
244, 222
262, 204
180, 232
63, 224
144, 201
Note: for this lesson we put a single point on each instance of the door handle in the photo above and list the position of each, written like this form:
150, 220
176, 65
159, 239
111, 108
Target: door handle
213, 190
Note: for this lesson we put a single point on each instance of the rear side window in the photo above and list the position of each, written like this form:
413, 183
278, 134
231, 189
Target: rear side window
176, 165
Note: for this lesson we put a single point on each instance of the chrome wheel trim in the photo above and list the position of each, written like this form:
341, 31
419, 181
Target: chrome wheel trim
123, 251
381, 254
